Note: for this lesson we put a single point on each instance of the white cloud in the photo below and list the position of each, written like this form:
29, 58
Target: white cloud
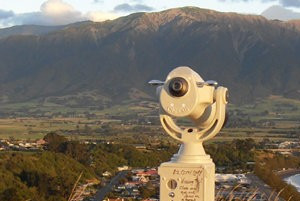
98, 1
125, 7
56, 12
280, 13
5, 17
98, 16
53, 12
285, 3
57, 8
290, 3
6, 14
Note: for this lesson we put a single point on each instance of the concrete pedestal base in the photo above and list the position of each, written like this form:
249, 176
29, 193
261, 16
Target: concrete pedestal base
187, 181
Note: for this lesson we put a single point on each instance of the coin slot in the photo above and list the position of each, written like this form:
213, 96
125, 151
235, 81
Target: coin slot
172, 184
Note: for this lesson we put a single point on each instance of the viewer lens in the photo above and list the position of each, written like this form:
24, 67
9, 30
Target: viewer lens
178, 87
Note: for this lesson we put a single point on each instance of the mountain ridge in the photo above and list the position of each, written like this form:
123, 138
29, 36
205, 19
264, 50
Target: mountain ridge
253, 56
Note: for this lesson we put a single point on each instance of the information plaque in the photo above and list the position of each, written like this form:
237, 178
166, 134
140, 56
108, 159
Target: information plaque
182, 183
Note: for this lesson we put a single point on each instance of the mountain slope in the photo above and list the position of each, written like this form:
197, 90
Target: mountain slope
251, 55
295, 24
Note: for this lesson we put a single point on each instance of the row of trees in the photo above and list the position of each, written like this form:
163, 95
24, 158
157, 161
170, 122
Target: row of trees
102, 157
233, 155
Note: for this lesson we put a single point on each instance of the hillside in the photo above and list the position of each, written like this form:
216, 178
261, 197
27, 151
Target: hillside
39, 176
251, 55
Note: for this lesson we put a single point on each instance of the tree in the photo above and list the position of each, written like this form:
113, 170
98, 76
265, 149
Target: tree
147, 191
54, 141
76, 150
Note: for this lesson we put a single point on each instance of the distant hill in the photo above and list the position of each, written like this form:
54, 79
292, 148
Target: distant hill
252, 56
28, 30
33, 29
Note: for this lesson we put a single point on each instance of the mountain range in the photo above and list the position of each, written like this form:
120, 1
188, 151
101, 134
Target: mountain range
252, 56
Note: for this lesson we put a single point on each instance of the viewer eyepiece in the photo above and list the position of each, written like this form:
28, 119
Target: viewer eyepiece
178, 87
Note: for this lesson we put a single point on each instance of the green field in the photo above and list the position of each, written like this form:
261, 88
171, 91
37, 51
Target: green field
275, 118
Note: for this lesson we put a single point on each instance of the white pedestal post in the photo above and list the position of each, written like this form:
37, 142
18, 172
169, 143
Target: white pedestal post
191, 180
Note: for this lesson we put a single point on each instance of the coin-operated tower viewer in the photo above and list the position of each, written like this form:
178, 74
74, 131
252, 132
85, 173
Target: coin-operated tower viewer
190, 175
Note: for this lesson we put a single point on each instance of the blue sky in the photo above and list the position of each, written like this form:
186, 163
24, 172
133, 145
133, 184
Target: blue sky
56, 12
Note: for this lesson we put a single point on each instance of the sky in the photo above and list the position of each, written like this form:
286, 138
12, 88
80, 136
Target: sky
59, 12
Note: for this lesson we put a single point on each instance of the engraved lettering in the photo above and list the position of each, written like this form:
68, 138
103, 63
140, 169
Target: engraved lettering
190, 183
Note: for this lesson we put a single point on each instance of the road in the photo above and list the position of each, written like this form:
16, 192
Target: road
100, 195
263, 188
